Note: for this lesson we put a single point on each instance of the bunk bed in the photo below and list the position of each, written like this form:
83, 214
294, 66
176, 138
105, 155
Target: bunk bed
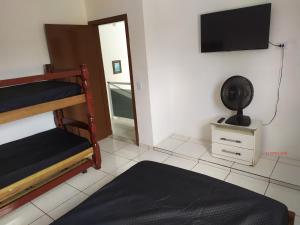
33, 165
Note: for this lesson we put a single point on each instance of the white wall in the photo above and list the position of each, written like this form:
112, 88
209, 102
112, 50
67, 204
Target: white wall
114, 47
97, 9
185, 84
23, 48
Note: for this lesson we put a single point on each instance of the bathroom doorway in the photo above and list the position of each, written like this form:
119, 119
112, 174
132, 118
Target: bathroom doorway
115, 49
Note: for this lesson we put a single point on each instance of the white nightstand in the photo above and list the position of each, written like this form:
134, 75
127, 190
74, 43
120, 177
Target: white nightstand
236, 143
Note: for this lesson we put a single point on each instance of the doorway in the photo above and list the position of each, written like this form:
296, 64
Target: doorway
72, 45
116, 58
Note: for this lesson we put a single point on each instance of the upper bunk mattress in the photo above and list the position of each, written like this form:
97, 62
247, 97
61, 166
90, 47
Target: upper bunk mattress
15, 97
157, 194
29, 155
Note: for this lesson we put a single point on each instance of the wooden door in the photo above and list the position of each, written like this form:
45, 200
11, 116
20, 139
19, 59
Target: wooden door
72, 45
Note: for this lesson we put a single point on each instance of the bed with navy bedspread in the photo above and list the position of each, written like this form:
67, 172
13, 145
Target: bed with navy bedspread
156, 194
19, 96
24, 157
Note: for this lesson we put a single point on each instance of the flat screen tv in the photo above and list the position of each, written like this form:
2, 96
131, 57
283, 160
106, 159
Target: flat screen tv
238, 29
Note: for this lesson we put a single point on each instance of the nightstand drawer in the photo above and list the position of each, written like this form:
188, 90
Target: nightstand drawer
232, 137
233, 152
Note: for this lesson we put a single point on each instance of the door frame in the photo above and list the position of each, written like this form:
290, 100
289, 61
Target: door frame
115, 19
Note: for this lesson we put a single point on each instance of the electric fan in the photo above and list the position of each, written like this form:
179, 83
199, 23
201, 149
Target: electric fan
237, 94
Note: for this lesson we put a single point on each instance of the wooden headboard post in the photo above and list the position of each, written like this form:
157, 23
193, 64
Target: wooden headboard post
58, 114
291, 218
91, 115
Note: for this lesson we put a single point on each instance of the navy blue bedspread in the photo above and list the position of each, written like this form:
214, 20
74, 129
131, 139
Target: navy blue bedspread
157, 194
15, 97
24, 157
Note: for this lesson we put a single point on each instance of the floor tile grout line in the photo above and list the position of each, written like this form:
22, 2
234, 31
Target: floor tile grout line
217, 164
227, 176
64, 203
175, 147
191, 158
254, 176
45, 213
267, 188
84, 189
290, 164
195, 166
166, 159
166, 151
281, 185
179, 155
122, 139
57, 205
118, 149
298, 165
183, 142
274, 168
114, 154
40, 218
246, 172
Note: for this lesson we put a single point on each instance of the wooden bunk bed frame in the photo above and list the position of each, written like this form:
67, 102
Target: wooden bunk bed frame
25, 190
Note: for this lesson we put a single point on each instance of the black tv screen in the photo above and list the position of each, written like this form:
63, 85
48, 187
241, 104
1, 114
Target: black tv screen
238, 29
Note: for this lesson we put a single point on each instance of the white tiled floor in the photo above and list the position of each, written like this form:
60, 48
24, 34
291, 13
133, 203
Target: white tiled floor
212, 170
170, 143
67, 205
55, 197
180, 162
63, 198
191, 149
124, 168
289, 161
112, 145
83, 181
123, 127
131, 151
111, 163
24, 215
287, 173
250, 183
95, 187
264, 167
288, 196
152, 156
207, 157
43, 220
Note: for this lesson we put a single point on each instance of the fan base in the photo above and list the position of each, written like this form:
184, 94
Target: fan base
239, 120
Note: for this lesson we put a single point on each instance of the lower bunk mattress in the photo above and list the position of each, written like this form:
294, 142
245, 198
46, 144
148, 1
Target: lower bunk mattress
15, 97
152, 193
22, 158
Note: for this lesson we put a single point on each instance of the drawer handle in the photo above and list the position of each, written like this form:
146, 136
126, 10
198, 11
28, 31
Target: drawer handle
231, 140
230, 152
